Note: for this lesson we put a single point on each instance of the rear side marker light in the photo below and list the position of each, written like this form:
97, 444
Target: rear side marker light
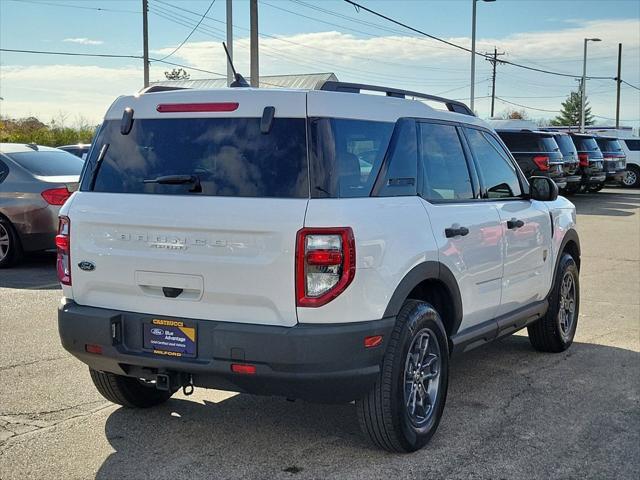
197, 107
542, 161
56, 196
373, 341
91, 348
243, 368
584, 159
325, 264
63, 246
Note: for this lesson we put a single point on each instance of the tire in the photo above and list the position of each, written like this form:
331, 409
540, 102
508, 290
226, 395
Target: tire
596, 188
10, 248
384, 413
128, 391
632, 177
555, 331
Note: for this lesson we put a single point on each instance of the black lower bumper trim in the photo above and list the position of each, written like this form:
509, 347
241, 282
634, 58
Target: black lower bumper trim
326, 363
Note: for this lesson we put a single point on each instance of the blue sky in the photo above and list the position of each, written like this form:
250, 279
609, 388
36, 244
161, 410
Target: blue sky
542, 33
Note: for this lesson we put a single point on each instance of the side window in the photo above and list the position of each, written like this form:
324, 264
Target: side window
402, 166
445, 170
497, 172
520, 142
633, 145
4, 171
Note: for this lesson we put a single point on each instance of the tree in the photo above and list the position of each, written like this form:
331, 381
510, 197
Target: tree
177, 74
570, 113
516, 115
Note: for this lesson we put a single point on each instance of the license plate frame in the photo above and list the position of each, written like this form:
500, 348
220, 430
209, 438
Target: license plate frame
170, 338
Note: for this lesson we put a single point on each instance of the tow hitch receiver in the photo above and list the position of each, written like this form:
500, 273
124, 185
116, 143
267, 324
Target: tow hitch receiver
163, 382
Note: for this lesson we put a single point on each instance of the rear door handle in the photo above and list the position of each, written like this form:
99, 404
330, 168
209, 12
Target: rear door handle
456, 232
514, 223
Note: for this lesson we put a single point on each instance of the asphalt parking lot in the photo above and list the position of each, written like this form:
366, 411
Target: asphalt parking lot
511, 412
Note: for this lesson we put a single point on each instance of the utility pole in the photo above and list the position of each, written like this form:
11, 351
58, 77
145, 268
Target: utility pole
618, 82
494, 61
255, 73
145, 41
229, 42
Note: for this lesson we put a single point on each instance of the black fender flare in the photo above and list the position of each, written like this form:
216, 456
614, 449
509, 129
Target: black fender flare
570, 235
430, 270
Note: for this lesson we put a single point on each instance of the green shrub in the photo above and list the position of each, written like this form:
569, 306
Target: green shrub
54, 134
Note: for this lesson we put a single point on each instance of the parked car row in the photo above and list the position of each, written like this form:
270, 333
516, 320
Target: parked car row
574, 161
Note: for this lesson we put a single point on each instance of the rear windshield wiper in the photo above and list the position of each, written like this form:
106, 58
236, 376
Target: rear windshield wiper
177, 180
96, 168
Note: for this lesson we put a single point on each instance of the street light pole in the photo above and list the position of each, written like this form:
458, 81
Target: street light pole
473, 52
583, 84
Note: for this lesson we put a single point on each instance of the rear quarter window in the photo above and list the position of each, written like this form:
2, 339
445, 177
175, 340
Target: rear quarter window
633, 145
229, 156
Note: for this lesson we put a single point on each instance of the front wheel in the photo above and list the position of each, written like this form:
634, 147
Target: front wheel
555, 331
402, 411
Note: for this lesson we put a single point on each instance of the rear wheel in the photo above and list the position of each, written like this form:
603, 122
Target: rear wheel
596, 188
402, 411
631, 178
555, 331
128, 391
10, 250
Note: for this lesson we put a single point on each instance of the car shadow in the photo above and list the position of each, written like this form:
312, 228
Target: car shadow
620, 203
35, 272
510, 412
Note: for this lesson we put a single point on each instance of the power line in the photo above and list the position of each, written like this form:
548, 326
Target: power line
526, 106
105, 55
632, 86
64, 5
455, 45
192, 31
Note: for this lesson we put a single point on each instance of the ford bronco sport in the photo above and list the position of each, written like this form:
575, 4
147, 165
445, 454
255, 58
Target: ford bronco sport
323, 244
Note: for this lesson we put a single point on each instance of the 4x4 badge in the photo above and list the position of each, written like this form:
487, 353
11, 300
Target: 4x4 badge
86, 266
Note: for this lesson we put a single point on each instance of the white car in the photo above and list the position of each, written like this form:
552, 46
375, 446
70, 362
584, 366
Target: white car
325, 244
631, 149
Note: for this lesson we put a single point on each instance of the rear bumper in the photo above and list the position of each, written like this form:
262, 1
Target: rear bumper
616, 177
594, 178
326, 363
573, 179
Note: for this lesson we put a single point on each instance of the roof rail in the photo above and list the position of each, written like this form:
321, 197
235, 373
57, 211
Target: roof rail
345, 87
161, 88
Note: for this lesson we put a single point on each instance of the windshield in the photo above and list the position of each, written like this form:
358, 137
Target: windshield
229, 157
48, 163
566, 145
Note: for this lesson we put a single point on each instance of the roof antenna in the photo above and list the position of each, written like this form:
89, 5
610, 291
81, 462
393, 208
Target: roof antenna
239, 79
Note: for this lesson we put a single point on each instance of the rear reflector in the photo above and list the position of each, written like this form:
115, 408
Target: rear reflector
56, 196
197, 107
91, 348
373, 341
324, 257
243, 368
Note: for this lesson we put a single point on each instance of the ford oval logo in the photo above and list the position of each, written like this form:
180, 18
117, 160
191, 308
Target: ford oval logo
157, 331
86, 266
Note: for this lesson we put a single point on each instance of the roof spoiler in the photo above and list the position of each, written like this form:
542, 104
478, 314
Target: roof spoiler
160, 88
333, 86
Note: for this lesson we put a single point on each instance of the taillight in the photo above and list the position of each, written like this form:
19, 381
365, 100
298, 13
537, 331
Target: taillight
325, 264
63, 245
584, 159
56, 196
542, 161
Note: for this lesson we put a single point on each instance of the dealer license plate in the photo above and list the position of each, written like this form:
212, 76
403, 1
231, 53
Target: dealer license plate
171, 338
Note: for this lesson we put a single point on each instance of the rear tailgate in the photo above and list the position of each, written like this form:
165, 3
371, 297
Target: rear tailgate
224, 253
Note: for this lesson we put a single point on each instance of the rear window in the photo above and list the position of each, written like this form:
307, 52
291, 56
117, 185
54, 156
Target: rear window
566, 145
609, 145
228, 156
528, 142
346, 156
585, 144
48, 163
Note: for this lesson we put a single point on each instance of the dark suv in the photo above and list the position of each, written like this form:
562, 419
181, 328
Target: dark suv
615, 161
570, 162
537, 153
591, 162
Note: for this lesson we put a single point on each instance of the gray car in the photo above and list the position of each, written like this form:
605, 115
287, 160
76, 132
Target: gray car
35, 182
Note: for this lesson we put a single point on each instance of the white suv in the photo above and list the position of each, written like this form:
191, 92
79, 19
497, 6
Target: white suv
328, 245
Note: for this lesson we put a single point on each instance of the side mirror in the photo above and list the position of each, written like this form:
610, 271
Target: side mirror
543, 189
